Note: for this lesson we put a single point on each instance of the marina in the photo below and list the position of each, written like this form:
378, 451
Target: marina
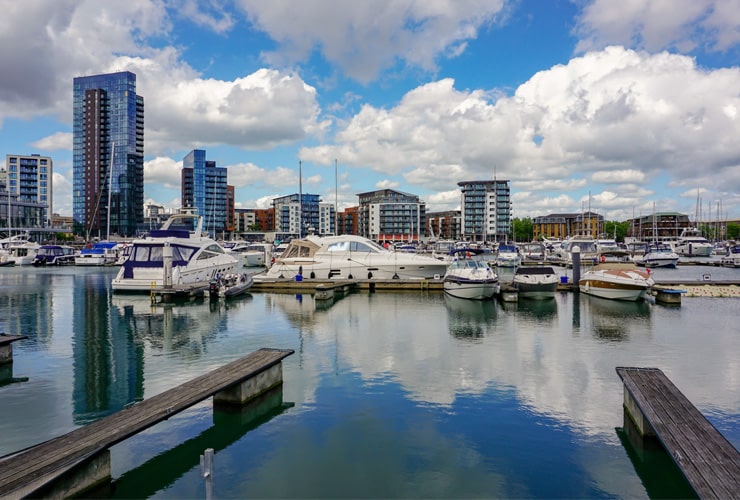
440, 396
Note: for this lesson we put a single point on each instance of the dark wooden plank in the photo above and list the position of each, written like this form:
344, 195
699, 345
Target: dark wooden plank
6, 339
50, 459
706, 458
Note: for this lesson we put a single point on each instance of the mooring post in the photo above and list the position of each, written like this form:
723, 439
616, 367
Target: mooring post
206, 471
576, 259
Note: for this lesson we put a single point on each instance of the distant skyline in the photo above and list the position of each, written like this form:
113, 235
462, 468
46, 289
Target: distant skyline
623, 108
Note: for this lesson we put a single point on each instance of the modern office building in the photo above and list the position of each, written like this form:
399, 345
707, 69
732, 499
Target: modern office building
485, 210
204, 186
108, 155
390, 215
29, 176
303, 214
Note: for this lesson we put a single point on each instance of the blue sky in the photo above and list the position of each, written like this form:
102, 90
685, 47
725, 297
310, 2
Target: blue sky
617, 106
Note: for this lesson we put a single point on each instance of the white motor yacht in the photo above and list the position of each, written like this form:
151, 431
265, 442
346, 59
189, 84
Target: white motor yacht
351, 257
537, 282
692, 244
658, 255
102, 253
23, 253
176, 255
507, 256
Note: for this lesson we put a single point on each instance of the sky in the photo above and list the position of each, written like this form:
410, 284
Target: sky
624, 108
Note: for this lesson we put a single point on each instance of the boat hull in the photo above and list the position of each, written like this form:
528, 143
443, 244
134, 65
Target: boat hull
536, 290
616, 283
471, 289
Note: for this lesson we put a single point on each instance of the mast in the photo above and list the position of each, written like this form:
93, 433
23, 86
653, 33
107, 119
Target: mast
336, 199
110, 186
300, 200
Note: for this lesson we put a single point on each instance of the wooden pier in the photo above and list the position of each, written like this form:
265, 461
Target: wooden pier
80, 459
658, 409
6, 346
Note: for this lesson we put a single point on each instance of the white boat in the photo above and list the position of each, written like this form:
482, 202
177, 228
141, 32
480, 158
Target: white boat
507, 256
470, 278
54, 255
5, 258
732, 258
616, 281
351, 257
537, 282
533, 252
658, 255
229, 285
175, 255
253, 254
23, 253
586, 244
102, 253
692, 244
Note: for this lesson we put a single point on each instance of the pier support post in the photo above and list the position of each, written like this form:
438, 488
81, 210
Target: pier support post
242, 392
85, 477
635, 414
6, 354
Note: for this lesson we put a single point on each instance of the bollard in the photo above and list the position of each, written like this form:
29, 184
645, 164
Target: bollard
576, 258
206, 471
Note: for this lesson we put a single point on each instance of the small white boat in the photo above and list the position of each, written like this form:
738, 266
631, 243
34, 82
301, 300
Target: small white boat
732, 259
102, 253
533, 252
23, 253
616, 282
537, 282
507, 256
658, 255
230, 285
470, 278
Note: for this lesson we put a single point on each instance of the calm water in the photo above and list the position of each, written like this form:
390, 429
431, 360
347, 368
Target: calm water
388, 395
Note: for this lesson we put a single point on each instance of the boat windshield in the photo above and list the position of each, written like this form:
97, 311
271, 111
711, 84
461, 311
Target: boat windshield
154, 253
468, 264
354, 246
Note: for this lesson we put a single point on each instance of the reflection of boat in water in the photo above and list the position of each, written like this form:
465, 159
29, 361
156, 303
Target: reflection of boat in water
470, 318
191, 257
469, 278
230, 285
614, 319
616, 281
536, 308
535, 282
351, 257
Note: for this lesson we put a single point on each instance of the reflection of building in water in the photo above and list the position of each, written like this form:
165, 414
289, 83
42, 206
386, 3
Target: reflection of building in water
470, 319
108, 369
26, 299
614, 319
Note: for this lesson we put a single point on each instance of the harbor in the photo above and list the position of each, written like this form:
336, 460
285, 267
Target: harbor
442, 397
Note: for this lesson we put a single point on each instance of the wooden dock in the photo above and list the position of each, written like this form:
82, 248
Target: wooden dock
27, 471
657, 408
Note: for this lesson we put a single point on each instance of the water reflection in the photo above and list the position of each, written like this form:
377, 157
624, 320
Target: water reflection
613, 320
470, 319
543, 312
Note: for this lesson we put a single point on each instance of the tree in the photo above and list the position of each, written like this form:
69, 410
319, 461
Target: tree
612, 228
522, 229
733, 231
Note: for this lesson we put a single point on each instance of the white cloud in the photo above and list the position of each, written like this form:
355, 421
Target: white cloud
607, 116
164, 171
54, 142
386, 184
656, 24
62, 188
402, 30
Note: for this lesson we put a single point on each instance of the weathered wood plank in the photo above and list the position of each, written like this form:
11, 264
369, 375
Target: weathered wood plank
706, 458
44, 462
6, 339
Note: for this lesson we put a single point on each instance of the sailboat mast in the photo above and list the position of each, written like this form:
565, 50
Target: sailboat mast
110, 186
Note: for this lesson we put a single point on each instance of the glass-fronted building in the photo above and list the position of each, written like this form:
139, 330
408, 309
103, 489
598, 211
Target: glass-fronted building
108, 155
302, 214
204, 186
485, 210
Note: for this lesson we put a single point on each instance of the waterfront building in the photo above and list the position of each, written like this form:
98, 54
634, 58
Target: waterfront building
29, 176
661, 226
568, 224
204, 186
390, 215
230, 207
485, 210
302, 214
254, 219
445, 225
22, 217
347, 221
108, 155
